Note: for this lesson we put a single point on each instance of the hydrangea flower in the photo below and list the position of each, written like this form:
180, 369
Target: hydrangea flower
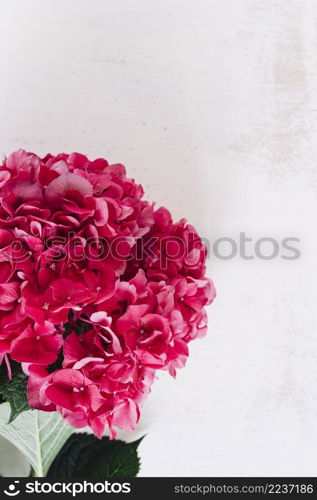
98, 288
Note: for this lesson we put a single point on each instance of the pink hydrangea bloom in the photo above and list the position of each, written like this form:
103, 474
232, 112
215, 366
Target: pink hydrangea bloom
98, 288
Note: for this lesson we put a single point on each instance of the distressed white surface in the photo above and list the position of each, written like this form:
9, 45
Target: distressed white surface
212, 105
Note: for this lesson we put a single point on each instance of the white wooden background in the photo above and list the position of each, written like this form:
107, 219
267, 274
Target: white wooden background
212, 105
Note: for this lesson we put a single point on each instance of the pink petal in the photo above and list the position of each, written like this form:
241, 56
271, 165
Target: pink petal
60, 186
4, 177
60, 397
9, 292
26, 191
126, 415
101, 212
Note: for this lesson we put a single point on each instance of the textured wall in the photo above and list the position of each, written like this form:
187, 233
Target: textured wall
212, 104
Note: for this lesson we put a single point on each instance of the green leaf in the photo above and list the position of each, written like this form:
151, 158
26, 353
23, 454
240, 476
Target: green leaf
14, 391
86, 456
37, 434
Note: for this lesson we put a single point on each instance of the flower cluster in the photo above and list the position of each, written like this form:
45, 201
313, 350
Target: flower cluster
98, 288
